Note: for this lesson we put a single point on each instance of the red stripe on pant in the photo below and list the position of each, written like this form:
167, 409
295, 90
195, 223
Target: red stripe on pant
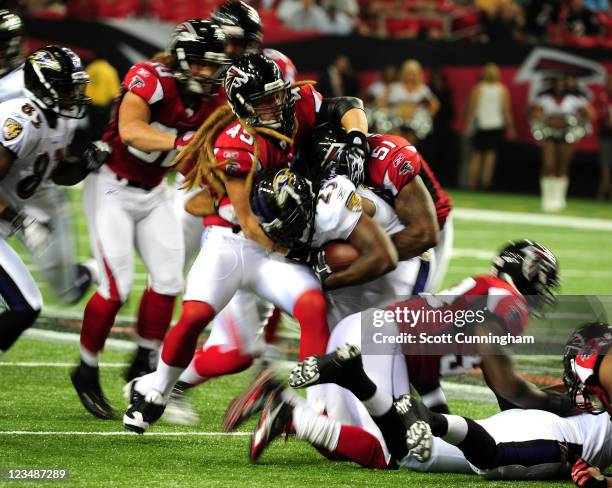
99, 315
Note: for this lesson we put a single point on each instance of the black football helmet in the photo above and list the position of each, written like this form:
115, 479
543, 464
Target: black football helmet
11, 30
318, 157
241, 24
198, 41
257, 93
55, 79
582, 356
532, 268
283, 202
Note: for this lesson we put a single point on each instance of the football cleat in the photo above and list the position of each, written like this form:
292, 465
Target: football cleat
86, 382
179, 410
419, 439
142, 364
335, 367
144, 412
275, 420
250, 401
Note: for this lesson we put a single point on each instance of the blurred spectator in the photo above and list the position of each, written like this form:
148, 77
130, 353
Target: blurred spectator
539, 15
339, 22
348, 7
580, 21
559, 120
441, 148
303, 15
378, 92
103, 87
505, 24
339, 79
413, 100
604, 116
597, 5
488, 116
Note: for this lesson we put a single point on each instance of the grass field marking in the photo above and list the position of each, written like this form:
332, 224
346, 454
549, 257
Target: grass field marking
39, 364
499, 216
124, 433
72, 338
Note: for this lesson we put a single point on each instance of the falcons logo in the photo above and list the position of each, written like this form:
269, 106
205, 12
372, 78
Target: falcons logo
544, 64
235, 77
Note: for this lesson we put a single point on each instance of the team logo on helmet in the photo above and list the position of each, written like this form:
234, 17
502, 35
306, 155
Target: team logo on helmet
235, 77
283, 184
46, 60
11, 129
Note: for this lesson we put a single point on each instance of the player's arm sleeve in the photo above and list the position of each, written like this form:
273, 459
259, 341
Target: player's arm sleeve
334, 109
416, 210
238, 161
142, 80
20, 136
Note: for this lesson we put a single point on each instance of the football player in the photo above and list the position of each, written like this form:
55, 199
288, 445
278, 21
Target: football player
68, 280
272, 121
33, 143
126, 203
242, 27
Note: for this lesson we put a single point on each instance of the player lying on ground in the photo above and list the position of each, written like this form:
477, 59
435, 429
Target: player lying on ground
126, 203
33, 154
512, 445
530, 438
225, 154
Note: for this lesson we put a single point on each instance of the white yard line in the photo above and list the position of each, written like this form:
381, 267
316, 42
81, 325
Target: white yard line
565, 273
122, 433
34, 364
459, 252
499, 216
72, 338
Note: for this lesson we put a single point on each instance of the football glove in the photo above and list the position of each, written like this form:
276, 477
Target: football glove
352, 159
303, 254
94, 155
321, 268
583, 478
35, 235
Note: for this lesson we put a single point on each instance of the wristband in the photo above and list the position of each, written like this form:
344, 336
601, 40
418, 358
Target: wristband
356, 137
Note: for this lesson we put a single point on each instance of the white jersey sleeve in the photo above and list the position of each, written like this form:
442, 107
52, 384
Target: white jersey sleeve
338, 211
384, 214
23, 127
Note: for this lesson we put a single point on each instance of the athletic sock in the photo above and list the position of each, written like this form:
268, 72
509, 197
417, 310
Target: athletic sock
91, 359
165, 378
319, 430
154, 315
310, 311
358, 445
98, 319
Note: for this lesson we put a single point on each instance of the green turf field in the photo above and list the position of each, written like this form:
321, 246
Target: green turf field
40, 399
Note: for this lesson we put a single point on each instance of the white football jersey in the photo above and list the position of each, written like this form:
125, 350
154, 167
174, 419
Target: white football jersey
339, 208
25, 132
11, 85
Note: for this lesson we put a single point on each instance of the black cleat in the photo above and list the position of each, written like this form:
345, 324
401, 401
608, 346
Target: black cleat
144, 412
142, 364
335, 367
419, 439
250, 401
86, 382
275, 420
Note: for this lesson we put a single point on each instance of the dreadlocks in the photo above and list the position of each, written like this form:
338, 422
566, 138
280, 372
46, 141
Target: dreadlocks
199, 154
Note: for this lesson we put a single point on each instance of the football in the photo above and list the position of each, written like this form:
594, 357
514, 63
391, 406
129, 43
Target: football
340, 255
